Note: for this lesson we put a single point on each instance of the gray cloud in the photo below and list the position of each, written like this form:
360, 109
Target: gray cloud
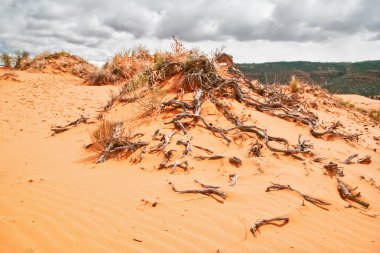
91, 27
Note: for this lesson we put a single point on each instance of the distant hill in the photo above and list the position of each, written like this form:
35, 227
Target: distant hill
338, 77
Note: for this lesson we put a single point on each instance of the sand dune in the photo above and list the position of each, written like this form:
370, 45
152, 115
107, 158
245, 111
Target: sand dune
54, 198
361, 102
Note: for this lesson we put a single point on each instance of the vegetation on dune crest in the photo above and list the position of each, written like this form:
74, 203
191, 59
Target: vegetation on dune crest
6, 60
122, 67
59, 61
216, 80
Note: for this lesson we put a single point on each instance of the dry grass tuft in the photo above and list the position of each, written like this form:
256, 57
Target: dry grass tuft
294, 84
106, 132
123, 67
112, 139
150, 104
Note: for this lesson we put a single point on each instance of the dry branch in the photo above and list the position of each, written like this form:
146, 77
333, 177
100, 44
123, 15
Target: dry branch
255, 149
165, 140
233, 177
208, 151
214, 157
315, 201
262, 222
206, 185
184, 165
349, 159
333, 169
347, 193
60, 129
187, 145
167, 156
205, 191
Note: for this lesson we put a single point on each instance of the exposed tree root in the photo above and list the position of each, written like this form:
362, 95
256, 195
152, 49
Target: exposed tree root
349, 159
262, 222
233, 177
214, 157
255, 149
333, 169
314, 201
208, 151
110, 137
206, 185
205, 191
60, 129
346, 193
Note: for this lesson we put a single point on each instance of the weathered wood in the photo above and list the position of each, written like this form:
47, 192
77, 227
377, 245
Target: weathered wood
255, 149
214, 157
206, 185
334, 169
167, 155
60, 129
233, 178
165, 140
262, 222
208, 151
187, 144
349, 159
205, 191
315, 201
346, 193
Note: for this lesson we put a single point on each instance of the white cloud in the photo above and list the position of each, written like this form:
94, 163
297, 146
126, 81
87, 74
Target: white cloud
263, 30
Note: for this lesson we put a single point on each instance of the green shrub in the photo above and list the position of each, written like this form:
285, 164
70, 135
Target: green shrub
21, 59
6, 60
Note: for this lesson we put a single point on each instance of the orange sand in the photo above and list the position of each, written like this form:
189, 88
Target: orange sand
53, 198
361, 102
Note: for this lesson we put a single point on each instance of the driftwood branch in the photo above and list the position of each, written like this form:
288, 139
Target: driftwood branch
333, 169
315, 201
187, 145
208, 151
233, 177
167, 155
61, 129
206, 185
255, 149
349, 159
205, 191
214, 157
346, 193
262, 222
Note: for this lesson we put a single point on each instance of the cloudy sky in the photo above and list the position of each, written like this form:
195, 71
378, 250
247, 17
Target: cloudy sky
250, 30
